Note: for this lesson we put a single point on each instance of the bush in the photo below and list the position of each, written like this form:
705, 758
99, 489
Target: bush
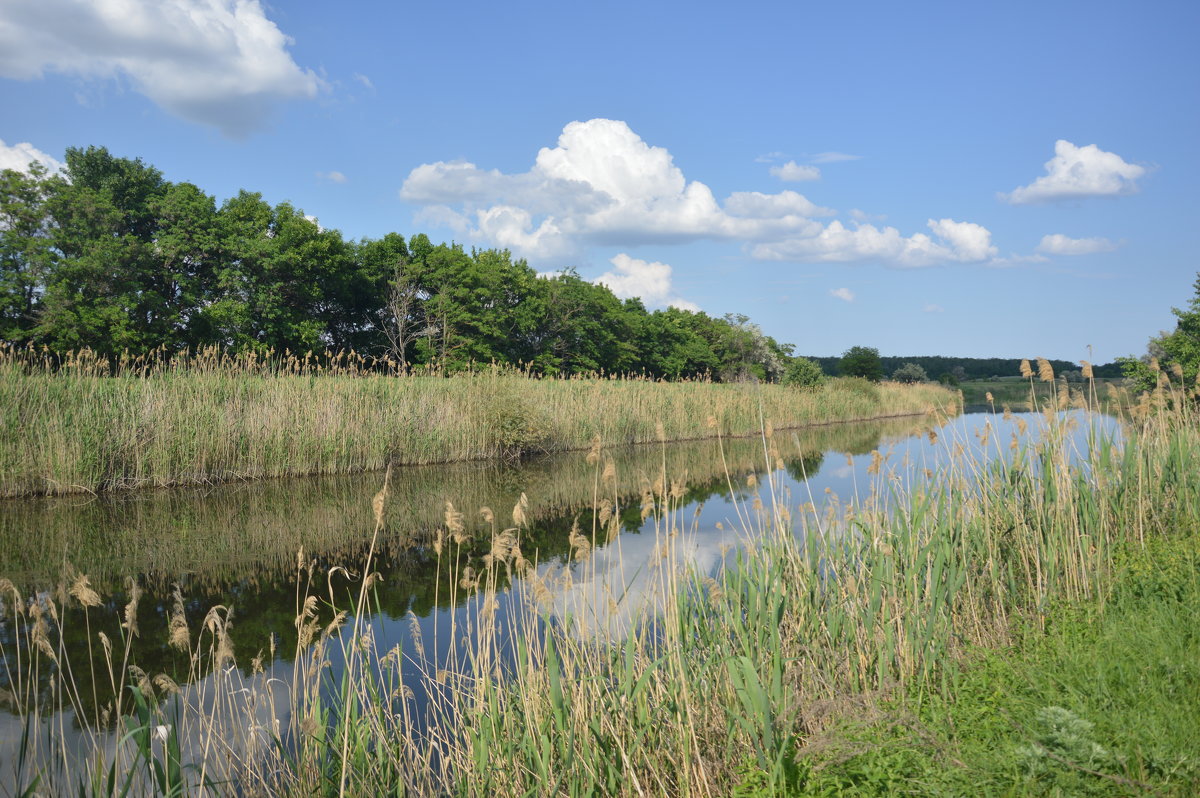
518, 428
804, 373
910, 373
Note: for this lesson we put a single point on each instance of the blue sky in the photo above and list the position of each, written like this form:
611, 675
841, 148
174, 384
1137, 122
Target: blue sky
1010, 180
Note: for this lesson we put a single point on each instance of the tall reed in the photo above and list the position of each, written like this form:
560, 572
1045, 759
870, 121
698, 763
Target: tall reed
83, 424
563, 687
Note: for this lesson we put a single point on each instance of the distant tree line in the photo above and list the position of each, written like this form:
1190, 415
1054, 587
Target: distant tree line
110, 256
956, 368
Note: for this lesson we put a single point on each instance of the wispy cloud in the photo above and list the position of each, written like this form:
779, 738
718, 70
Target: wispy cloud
833, 157
332, 176
844, 294
1059, 244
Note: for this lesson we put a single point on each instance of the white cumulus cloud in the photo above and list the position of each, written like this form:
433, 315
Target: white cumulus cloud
216, 62
754, 204
953, 242
602, 184
18, 157
844, 294
1076, 172
1059, 244
651, 281
792, 172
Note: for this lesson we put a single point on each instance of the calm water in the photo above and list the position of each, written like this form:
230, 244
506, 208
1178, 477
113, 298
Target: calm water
236, 545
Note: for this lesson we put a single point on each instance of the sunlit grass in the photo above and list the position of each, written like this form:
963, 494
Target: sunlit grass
82, 424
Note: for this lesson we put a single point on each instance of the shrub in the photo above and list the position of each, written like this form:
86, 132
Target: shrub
910, 373
804, 373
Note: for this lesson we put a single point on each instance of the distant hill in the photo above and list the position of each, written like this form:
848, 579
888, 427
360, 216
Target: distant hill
974, 368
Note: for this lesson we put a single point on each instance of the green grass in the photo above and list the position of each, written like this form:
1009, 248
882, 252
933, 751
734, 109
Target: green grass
1102, 702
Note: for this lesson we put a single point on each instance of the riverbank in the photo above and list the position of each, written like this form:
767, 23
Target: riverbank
1098, 700
225, 534
75, 431
739, 685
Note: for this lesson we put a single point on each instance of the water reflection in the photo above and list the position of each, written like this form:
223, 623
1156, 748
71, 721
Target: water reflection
236, 545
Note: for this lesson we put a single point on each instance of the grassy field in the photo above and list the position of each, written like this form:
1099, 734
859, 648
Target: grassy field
80, 427
1017, 614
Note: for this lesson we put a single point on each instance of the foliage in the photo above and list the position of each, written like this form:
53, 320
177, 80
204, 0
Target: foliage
112, 257
861, 361
1173, 356
804, 373
965, 368
910, 373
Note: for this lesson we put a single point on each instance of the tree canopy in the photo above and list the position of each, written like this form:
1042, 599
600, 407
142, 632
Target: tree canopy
861, 361
111, 256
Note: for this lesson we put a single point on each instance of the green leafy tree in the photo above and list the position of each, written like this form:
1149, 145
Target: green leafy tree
27, 256
861, 361
910, 373
583, 327
672, 347
1177, 353
107, 290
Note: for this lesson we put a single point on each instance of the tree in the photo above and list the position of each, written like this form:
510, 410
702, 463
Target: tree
748, 353
1175, 353
861, 361
803, 373
910, 373
26, 255
405, 314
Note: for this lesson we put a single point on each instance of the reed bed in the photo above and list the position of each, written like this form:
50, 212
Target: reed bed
79, 423
235, 533
716, 686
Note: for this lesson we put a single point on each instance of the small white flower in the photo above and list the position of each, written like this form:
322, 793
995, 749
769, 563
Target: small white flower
161, 732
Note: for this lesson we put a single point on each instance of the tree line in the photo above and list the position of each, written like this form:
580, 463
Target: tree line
945, 368
109, 255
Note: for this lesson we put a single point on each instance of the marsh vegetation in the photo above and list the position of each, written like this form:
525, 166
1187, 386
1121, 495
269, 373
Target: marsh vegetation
802, 644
